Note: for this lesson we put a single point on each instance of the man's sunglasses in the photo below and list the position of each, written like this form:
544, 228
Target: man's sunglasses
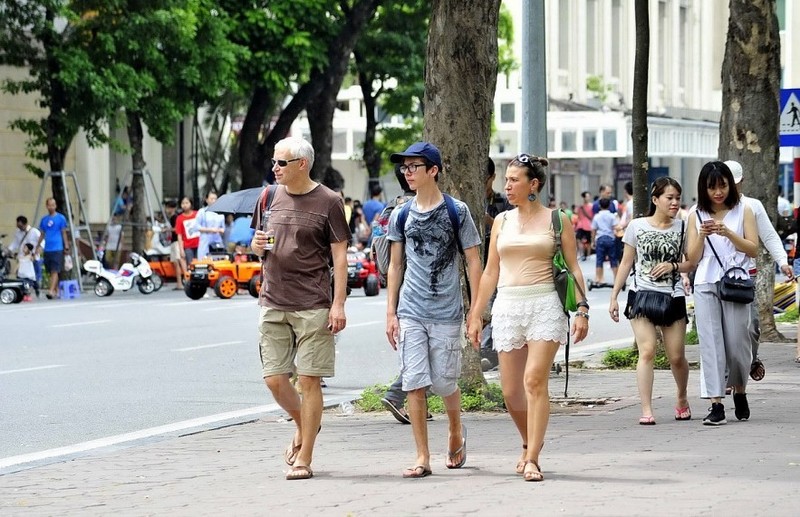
283, 163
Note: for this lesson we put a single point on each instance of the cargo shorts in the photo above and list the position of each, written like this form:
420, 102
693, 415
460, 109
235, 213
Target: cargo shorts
430, 355
301, 336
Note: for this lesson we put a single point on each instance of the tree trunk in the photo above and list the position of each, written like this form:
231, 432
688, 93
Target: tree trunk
641, 200
251, 158
372, 159
56, 149
460, 82
138, 212
321, 108
749, 122
320, 122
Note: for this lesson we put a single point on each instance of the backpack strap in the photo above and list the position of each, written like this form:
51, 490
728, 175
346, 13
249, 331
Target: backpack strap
453, 213
267, 196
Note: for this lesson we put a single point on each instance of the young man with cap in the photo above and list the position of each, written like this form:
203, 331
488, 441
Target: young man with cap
424, 315
304, 231
769, 237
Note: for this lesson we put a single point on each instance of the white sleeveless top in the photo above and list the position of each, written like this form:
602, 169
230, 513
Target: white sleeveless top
709, 270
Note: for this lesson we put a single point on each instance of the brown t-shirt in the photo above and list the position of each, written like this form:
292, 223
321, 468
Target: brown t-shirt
296, 272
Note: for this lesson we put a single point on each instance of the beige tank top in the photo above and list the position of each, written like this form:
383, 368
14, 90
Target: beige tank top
525, 259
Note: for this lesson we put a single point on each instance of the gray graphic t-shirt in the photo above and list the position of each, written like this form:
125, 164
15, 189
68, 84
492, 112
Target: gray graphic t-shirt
431, 290
653, 246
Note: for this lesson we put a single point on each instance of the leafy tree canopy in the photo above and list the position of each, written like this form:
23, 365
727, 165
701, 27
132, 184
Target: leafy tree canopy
173, 55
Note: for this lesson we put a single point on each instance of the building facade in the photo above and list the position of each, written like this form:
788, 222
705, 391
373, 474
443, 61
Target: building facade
590, 54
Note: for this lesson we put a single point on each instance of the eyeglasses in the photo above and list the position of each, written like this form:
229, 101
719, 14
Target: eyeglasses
283, 163
411, 168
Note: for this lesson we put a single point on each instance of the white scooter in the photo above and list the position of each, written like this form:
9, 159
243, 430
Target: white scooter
137, 272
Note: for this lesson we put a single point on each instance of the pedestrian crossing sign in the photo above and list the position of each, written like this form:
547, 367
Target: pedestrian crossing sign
789, 124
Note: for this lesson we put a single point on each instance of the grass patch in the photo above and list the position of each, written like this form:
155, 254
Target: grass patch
626, 358
691, 337
790, 316
487, 397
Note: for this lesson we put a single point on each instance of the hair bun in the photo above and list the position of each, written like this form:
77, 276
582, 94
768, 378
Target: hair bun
543, 161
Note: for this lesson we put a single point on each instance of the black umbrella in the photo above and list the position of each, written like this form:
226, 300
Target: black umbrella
241, 202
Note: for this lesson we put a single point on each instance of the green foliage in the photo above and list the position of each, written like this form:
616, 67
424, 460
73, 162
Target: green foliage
790, 316
626, 358
505, 42
487, 397
691, 335
282, 41
392, 138
597, 85
46, 37
371, 397
169, 55
621, 358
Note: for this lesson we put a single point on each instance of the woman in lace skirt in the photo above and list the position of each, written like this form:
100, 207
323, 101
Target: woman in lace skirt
528, 320
654, 249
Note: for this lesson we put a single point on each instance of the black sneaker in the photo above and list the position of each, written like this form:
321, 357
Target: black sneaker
741, 407
716, 415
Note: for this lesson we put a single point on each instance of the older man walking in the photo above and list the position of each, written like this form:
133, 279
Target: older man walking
300, 228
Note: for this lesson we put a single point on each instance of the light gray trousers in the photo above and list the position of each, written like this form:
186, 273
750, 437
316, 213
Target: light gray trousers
725, 341
755, 329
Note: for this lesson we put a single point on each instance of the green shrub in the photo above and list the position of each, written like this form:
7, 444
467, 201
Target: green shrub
621, 358
371, 397
487, 397
790, 316
691, 337
626, 358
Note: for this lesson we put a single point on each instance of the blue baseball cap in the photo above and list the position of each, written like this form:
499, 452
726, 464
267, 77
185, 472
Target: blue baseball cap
420, 150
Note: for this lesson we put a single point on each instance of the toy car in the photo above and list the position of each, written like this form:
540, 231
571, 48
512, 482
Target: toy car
13, 290
362, 272
224, 275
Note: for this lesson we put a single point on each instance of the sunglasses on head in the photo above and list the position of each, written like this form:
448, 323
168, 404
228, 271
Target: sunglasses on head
283, 163
527, 159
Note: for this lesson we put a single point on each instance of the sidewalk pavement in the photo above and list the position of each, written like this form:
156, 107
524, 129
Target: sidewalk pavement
597, 461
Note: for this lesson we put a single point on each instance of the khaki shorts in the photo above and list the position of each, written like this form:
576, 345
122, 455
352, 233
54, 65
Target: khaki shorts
286, 336
175, 251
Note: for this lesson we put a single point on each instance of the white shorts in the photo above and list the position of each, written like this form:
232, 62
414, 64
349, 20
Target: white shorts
522, 314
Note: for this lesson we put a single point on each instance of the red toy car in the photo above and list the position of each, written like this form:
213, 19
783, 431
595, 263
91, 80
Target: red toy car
362, 272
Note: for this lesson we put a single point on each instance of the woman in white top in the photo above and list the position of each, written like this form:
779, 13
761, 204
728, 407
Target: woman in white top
655, 244
720, 220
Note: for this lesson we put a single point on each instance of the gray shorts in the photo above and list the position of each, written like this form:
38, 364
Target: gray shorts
430, 355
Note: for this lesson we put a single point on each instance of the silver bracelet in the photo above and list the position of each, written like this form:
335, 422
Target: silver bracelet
582, 314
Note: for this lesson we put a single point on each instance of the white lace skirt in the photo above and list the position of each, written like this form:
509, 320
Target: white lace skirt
527, 313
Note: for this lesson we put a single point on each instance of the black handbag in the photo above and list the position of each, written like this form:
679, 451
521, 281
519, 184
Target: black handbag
736, 289
732, 288
653, 305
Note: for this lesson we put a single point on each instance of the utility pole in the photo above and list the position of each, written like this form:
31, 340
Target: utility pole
534, 84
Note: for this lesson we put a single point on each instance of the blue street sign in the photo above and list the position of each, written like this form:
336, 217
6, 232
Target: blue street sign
789, 124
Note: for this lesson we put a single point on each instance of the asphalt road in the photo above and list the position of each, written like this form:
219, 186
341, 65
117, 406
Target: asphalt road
100, 371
